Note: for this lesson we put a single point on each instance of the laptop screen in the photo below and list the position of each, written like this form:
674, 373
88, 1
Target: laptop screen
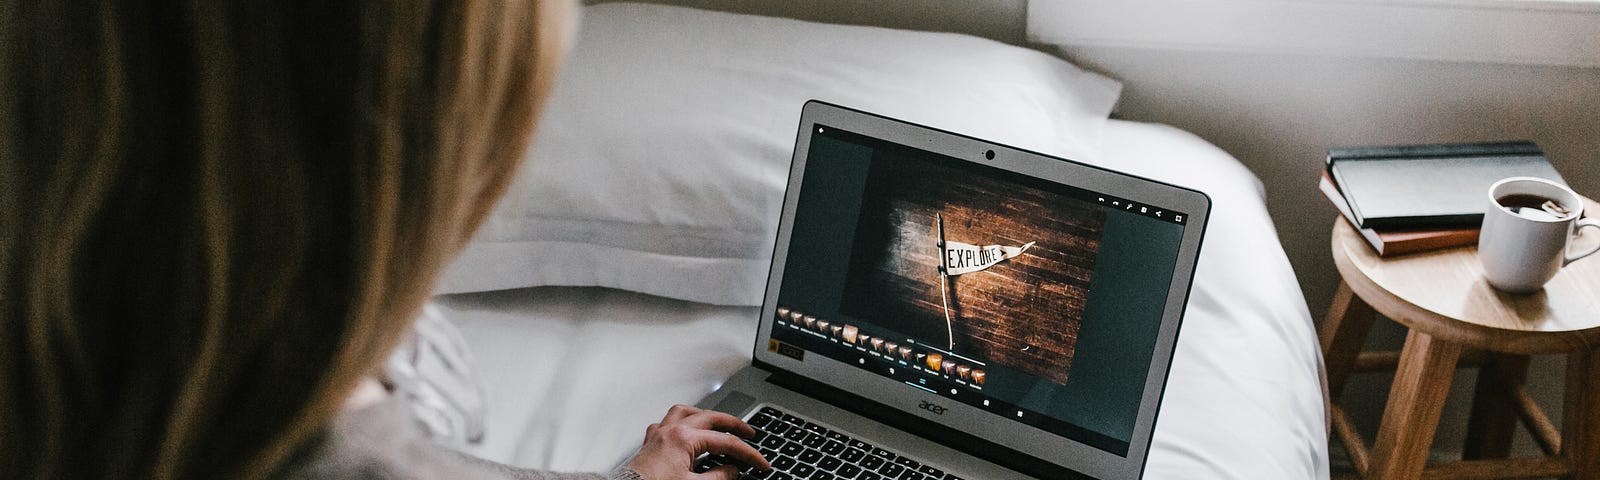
1039, 302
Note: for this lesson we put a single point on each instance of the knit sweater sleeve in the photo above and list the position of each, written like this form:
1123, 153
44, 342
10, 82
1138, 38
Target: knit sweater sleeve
381, 441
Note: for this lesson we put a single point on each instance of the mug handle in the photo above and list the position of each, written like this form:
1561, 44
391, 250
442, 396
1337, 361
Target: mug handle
1583, 223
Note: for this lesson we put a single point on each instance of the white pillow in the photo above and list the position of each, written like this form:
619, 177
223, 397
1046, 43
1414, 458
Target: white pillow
661, 160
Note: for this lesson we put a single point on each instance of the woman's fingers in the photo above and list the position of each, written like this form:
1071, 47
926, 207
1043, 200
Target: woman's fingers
722, 422
725, 472
678, 412
719, 443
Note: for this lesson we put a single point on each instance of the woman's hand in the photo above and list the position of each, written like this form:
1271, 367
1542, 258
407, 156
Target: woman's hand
671, 447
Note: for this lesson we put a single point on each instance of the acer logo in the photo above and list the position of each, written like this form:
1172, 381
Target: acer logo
932, 407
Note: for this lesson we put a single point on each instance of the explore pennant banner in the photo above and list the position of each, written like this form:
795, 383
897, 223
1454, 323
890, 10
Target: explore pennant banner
962, 258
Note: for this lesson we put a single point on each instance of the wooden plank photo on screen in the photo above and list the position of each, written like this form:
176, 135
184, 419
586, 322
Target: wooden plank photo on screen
1023, 259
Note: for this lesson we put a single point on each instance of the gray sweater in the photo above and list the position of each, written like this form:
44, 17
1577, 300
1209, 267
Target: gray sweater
382, 441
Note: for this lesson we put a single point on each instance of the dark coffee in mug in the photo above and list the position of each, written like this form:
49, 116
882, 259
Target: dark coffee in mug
1536, 207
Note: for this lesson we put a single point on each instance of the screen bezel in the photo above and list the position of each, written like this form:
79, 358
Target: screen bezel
1057, 450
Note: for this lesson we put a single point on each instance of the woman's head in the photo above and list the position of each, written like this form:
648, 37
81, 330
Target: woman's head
217, 216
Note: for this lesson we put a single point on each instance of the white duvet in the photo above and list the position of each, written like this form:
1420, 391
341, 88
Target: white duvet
574, 374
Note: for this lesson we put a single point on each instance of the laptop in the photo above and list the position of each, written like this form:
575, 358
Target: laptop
944, 307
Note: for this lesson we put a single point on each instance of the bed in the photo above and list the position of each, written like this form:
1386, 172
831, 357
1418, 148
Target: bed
622, 274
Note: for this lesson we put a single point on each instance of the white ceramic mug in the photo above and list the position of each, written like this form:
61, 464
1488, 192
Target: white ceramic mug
1522, 251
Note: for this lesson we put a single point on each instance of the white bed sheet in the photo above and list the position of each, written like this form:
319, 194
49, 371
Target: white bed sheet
573, 375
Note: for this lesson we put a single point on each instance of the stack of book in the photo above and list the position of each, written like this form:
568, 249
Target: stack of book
1412, 198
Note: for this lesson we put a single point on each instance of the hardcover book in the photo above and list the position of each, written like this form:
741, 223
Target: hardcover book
1397, 242
1429, 186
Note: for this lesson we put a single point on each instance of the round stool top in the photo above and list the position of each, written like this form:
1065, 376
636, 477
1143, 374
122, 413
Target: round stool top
1443, 293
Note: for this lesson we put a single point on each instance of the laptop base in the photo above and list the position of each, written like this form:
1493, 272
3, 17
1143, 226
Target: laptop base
752, 386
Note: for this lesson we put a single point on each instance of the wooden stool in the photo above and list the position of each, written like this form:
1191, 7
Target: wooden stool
1456, 319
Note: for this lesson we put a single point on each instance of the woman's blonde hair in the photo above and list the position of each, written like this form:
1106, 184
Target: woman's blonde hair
217, 216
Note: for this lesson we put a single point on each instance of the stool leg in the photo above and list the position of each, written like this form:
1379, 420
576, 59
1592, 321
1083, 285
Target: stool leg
1426, 368
1343, 332
1494, 414
1580, 436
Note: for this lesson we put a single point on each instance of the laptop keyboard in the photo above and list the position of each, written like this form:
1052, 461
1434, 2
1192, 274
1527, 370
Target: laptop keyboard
801, 449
